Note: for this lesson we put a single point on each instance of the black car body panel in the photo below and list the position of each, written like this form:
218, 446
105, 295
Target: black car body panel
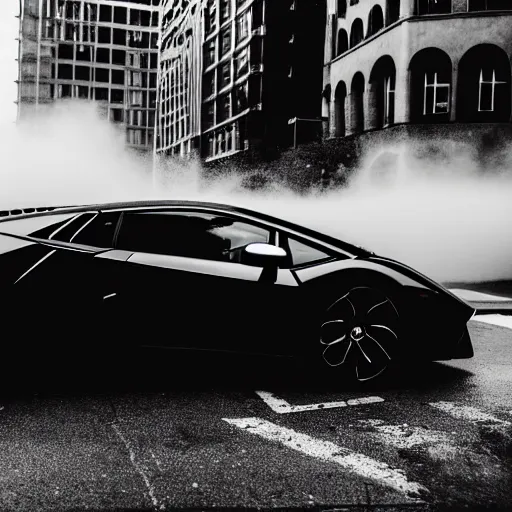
78, 272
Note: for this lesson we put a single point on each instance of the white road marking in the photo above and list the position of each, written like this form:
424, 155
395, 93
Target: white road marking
150, 488
500, 320
157, 462
471, 295
405, 436
327, 451
281, 406
466, 412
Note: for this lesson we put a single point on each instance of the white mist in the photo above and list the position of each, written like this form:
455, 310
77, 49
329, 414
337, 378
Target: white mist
445, 219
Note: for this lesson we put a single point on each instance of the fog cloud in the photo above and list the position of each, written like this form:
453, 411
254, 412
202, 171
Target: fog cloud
441, 215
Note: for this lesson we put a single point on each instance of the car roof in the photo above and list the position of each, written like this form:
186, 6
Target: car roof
12, 215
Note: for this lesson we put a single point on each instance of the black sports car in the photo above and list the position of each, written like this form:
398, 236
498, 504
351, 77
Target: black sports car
201, 276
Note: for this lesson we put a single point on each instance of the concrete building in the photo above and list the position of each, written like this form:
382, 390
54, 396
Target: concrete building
402, 68
238, 75
102, 50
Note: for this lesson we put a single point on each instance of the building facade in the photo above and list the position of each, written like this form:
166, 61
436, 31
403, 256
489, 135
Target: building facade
441, 65
234, 75
100, 50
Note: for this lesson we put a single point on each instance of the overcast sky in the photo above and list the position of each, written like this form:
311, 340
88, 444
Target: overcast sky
8, 53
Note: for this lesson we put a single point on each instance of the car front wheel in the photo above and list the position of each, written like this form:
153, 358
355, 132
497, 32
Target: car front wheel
360, 333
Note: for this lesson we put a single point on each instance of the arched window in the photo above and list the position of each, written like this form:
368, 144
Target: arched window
392, 11
326, 110
382, 99
342, 41
356, 32
340, 96
431, 79
342, 8
433, 6
375, 20
357, 103
483, 93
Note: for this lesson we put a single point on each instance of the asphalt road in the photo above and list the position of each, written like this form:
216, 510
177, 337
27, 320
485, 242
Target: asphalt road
160, 435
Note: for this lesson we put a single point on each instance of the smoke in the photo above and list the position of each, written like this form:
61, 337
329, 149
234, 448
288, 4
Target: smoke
435, 211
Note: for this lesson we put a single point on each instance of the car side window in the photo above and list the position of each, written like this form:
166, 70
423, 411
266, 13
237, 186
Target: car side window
66, 231
302, 253
189, 234
99, 232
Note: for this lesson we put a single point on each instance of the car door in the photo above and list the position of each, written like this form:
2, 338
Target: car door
58, 290
186, 285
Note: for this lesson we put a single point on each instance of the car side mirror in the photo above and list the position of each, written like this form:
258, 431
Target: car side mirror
264, 254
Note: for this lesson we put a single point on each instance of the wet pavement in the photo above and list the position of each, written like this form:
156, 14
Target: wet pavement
169, 434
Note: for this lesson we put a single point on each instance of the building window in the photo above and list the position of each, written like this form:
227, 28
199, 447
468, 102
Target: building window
116, 115
224, 75
208, 115
393, 11
433, 6
119, 57
119, 37
120, 15
375, 20
82, 73
225, 10
66, 72
209, 84
223, 108
210, 17
487, 89
242, 27
242, 63
104, 35
484, 85
117, 77
436, 97
117, 96
103, 55
101, 94
209, 53
356, 32
105, 13
225, 42
342, 8
389, 100
241, 98
489, 5
342, 41
431, 78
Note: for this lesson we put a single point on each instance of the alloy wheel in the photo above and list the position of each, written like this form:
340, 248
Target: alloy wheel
360, 331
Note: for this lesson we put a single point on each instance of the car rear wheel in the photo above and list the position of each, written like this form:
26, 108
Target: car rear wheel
360, 333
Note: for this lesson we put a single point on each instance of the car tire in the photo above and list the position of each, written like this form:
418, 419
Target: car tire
359, 333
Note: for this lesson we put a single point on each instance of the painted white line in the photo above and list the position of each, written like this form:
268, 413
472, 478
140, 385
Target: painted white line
281, 406
405, 436
150, 488
478, 296
327, 451
465, 412
157, 462
499, 320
